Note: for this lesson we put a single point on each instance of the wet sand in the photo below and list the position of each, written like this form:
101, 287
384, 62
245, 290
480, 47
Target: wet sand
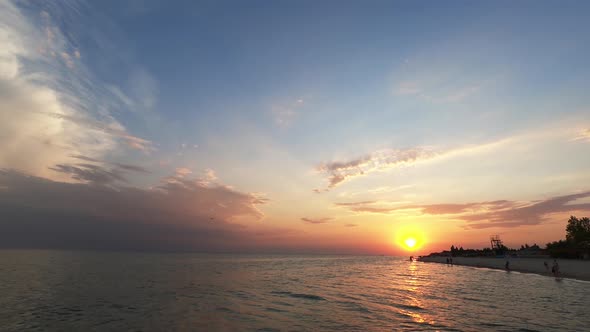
576, 269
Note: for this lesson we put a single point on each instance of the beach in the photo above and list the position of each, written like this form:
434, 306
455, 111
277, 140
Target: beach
569, 268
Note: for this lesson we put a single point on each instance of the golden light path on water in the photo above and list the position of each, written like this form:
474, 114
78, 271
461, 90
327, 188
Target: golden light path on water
413, 286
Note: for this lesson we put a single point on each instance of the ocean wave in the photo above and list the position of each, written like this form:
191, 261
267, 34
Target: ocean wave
353, 306
224, 309
408, 306
300, 295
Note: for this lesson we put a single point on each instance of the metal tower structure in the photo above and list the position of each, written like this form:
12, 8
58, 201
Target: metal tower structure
496, 243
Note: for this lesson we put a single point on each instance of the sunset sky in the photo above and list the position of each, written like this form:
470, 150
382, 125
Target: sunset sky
292, 126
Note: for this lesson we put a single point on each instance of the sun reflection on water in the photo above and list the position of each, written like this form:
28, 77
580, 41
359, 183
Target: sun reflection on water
414, 288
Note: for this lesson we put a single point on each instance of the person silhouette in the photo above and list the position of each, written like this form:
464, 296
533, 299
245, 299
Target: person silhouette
555, 268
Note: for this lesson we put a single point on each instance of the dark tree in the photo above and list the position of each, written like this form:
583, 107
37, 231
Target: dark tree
578, 230
561, 249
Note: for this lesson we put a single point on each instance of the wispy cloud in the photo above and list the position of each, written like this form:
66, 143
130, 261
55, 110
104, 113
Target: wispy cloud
366, 206
376, 191
338, 172
408, 88
122, 166
316, 220
134, 168
284, 114
110, 127
62, 108
144, 89
44, 140
97, 172
457, 96
436, 93
478, 215
181, 172
583, 135
352, 204
209, 175
90, 173
140, 95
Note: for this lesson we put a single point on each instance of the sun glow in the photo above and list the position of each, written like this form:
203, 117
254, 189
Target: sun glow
410, 242
409, 238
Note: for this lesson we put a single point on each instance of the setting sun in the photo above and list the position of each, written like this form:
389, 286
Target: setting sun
410, 242
409, 237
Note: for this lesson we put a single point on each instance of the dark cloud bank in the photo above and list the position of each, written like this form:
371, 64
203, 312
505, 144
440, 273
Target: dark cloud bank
177, 215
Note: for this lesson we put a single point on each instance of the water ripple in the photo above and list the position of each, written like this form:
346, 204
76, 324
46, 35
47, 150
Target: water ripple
152, 292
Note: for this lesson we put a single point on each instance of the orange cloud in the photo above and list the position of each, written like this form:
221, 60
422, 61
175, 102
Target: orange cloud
316, 221
583, 136
478, 215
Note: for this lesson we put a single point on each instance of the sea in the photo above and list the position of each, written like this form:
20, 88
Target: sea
124, 291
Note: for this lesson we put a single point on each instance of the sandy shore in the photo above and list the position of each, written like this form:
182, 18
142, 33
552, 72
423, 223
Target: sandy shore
576, 269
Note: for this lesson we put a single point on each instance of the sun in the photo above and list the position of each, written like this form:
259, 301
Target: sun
409, 237
410, 242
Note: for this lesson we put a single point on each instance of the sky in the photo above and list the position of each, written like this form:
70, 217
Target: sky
292, 126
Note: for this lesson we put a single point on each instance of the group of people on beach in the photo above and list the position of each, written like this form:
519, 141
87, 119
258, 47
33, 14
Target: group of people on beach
554, 268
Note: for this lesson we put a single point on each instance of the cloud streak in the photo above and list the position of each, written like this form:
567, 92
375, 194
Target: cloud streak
436, 92
584, 135
97, 172
122, 166
338, 172
109, 127
90, 173
480, 215
316, 220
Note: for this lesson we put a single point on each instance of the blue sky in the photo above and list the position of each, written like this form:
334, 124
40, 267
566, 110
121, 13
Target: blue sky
303, 106
219, 64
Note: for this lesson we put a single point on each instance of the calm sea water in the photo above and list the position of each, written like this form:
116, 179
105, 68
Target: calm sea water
85, 291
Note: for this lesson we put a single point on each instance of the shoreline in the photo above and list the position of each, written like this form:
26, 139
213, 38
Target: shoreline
572, 269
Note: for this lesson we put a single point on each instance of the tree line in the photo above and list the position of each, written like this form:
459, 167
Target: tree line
575, 245
577, 240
